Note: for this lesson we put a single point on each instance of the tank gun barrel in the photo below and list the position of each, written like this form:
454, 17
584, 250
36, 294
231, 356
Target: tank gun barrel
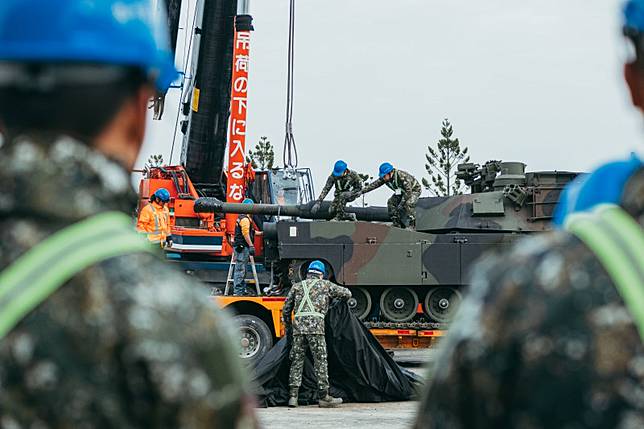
214, 205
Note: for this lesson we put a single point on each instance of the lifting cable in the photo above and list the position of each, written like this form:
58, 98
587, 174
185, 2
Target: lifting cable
290, 150
185, 57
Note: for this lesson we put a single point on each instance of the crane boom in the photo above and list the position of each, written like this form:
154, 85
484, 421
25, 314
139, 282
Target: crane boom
204, 145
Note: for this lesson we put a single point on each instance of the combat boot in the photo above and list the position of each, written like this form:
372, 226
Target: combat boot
292, 400
328, 401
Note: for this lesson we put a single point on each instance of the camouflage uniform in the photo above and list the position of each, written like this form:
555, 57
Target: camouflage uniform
348, 182
544, 340
309, 329
401, 205
129, 342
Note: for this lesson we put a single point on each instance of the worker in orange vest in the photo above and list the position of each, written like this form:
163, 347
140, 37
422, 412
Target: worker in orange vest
154, 219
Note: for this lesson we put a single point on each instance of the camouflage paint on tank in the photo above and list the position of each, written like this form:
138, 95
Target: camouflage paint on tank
451, 232
457, 213
372, 254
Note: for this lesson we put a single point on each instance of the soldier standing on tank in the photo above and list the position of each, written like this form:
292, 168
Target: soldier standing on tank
347, 184
401, 205
96, 330
310, 300
552, 334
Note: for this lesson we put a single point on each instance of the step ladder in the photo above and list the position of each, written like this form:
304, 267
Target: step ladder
230, 281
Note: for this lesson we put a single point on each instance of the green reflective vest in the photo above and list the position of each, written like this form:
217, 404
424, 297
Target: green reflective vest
306, 307
618, 242
38, 273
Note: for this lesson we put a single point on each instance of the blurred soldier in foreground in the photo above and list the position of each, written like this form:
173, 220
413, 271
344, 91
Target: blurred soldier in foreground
551, 336
401, 205
310, 300
95, 330
347, 184
154, 219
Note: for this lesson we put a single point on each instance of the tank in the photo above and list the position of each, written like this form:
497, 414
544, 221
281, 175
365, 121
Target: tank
403, 278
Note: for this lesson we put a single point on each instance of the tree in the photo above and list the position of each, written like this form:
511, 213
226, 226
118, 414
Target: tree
263, 156
154, 161
442, 163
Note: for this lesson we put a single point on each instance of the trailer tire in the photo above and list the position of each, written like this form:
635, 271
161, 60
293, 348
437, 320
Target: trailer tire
255, 338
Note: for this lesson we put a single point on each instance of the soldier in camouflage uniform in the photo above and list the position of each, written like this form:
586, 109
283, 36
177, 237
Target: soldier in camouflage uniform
128, 342
310, 300
401, 205
546, 337
347, 184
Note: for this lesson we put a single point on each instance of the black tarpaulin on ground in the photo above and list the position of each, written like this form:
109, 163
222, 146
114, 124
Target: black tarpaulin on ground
360, 369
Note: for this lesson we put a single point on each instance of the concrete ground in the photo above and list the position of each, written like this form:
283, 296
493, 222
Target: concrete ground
390, 415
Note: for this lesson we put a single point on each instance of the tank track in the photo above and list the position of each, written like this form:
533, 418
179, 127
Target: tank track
413, 325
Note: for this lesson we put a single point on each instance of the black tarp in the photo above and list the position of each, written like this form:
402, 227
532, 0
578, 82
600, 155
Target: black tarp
360, 369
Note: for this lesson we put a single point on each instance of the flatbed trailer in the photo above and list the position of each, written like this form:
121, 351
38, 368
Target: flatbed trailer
260, 326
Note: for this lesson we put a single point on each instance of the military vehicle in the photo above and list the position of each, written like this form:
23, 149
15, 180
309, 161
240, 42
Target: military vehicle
402, 278
406, 284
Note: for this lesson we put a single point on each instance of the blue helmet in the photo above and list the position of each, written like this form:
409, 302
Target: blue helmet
385, 168
248, 201
603, 186
130, 33
162, 194
633, 15
339, 168
317, 267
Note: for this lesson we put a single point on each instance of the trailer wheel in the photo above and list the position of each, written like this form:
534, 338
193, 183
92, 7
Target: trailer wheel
255, 338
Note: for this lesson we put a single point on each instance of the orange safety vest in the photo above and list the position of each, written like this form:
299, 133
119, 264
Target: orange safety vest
154, 222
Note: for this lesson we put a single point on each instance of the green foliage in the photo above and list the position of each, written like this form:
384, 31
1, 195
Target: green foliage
154, 161
442, 164
263, 156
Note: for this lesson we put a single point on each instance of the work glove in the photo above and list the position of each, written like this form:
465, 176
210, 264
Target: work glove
316, 207
251, 250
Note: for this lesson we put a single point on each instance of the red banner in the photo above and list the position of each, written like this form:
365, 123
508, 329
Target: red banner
236, 186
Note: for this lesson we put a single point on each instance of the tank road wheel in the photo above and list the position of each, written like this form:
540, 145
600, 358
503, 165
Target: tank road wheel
360, 302
441, 303
255, 338
399, 304
297, 270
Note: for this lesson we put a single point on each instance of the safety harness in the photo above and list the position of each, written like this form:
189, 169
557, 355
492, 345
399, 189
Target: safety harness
46, 267
306, 307
618, 242
393, 183
342, 183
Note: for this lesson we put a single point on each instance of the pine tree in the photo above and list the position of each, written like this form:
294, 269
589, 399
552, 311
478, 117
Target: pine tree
442, 163
264, 155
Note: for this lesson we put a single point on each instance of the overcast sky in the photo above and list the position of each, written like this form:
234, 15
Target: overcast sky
537, 81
